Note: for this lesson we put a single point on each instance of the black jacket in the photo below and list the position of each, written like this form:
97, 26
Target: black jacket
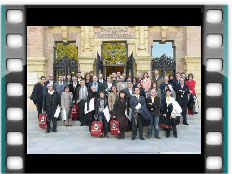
155, 106
120, 106
90, 96
182, 95
100, 86
72, 90
98, 103
47, 103
37, 93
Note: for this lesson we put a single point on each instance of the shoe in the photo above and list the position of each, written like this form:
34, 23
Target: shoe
149, 136
175, 136
141, 138
54, 130
185, 123
48, 130
106, 136
133, 138
70, 125
158, 137
66, 125
81, 125
167, 136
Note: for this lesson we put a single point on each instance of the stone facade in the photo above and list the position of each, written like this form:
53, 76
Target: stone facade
41, 42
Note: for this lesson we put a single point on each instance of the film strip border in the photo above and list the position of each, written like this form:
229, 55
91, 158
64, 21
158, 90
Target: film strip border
15, 153
13, 89
215, 89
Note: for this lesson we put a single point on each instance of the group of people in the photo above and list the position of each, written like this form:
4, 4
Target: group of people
135, 102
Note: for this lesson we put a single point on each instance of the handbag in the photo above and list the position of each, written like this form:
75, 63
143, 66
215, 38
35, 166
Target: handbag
74, 111
164, 123
114, 127
97, 128
43, 121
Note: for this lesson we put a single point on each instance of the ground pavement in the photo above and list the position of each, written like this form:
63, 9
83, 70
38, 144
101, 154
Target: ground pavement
77, 140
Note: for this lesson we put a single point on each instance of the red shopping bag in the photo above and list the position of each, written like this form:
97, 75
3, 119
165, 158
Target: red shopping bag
97, 128
114, 127
43, 121
74, 111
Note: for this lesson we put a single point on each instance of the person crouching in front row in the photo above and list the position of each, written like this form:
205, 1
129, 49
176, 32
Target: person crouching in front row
169, 113
51, 100
121, 113
101, 104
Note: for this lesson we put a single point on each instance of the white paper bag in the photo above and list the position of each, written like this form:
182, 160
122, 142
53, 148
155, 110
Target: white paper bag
57, 112
130, 113
138, 106
64, 114
91, 106
106, 112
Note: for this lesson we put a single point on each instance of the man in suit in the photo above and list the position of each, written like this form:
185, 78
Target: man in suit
107, 85
176, 81
157, 78
37, 94
50, 80
101, 80
59, 86
153, 106
114, 78
182, 91
51, 100
81, 97
79, 77
95, 82
73, 87
121, 85
136, 116
129, 90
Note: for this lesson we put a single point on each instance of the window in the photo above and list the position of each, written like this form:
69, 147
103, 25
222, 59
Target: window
66, 50
160, 49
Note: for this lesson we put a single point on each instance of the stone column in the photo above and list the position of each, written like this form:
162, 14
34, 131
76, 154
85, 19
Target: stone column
87, 57
142, 57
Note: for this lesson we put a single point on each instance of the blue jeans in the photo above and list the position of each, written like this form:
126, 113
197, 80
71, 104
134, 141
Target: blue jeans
155, 123
101, 117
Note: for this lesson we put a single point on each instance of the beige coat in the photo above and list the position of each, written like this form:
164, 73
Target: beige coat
111, 100
66, 100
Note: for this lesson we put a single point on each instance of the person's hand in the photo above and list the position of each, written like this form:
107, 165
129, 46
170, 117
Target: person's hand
114, 116
164, 115
127, 116
137, 110
150, 103
88, 110
190, 91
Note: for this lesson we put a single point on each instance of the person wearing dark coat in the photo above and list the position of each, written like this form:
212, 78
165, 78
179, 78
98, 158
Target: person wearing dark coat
90, 114
73, 87
176, 81
51, 100
121, 113
99, 86
141, 90
153, 106
182, 92
51, 81
136, 116
101, 104
37, 94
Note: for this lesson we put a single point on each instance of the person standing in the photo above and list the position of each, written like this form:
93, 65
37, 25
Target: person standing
136, 116
96, 83
59, 86
158, 92
51, 101
146, 82
37, 94
101, 79
90, 115
121, 113
73, 87
176, 81
79, 78
101, 104
182, 92
141, 90
140, 78
81, 97
107, 85
121, 85
134, 82
87, 80
114, 78
153, 106
157, 78
112, 97
191, 84
118, 75
69, 79
66, 103
51, 81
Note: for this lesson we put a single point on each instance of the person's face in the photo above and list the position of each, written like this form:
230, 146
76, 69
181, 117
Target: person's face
100, 76
168, 93
93, 89
109, 79
91, 74
64, 77
145, 75
182, 81
153, 93
74, 80
82, 83
134, 80
79, 75
87, 77
122, 95
60, 78
190, 77
43, 80
121, 78
118, 74
137, 91
171, 77
183, 75
166, 79
102, 95
156, 73
69, 77
139, 86
114, 75
50, 88
114, 89
129, 85
51, 77
177, 76
66, 89
129, 79
94, 79
154, 85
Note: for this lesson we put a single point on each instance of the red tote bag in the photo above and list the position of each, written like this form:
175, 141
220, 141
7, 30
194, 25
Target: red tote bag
114, 127
97, 128
74, 111
43, 121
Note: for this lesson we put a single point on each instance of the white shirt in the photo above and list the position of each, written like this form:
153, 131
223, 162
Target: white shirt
130, 90
101, 80
152, 99
60, 83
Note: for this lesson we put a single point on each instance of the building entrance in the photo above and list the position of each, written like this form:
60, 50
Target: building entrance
110, 68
